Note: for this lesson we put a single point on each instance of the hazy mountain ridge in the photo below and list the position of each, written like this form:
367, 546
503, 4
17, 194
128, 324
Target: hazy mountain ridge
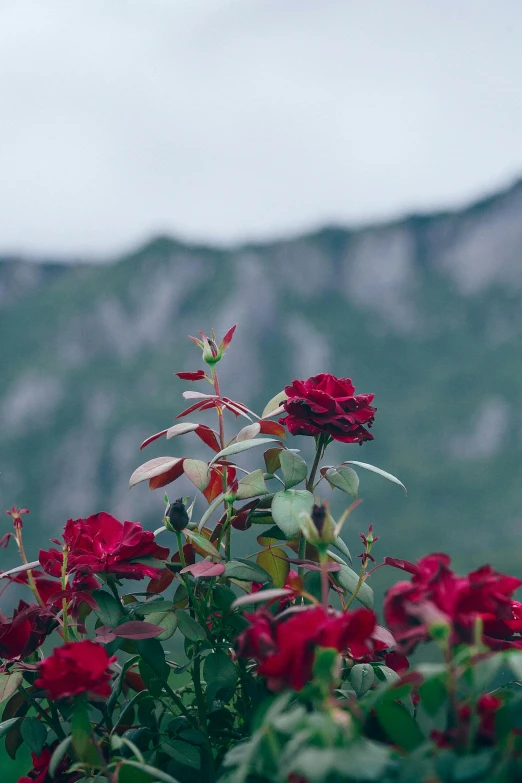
426, 312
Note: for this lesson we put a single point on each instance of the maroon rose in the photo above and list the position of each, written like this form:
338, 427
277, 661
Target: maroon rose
40, 771
328, 405
285, 648
102, 544
77, 667
25, 631
437, 594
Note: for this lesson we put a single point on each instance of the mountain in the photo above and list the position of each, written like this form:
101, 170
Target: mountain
425, 312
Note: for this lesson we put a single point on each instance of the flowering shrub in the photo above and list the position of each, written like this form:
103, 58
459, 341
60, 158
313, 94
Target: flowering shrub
271, 668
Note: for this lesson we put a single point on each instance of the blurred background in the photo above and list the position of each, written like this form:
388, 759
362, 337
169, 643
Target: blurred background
340, 179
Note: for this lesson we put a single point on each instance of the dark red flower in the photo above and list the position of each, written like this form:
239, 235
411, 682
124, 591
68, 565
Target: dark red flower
77, 667
437, 594
326, 404
285, 648
40, 771
26, 631
102, 544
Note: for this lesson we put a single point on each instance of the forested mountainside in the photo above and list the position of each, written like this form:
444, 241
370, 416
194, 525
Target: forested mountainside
426, 312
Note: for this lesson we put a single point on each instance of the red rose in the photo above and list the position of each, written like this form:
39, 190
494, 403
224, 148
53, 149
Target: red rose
26, 631
77, 667
285, 648
437, 593
326, 404
40, 771
102, 544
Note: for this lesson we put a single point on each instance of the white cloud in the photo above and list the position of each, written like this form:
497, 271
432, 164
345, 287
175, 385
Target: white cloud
224, 120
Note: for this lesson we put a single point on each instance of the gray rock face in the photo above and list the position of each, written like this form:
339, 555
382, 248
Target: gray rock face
425, 312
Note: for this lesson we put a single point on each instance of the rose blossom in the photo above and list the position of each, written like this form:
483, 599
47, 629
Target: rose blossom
436, 593
40, 771
25, 631
326, 404
77, 667
285, 648
102, 544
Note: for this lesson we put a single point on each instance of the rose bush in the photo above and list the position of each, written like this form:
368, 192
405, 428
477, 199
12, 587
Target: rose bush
272, 668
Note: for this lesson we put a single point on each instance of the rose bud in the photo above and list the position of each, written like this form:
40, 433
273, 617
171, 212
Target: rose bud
177, 515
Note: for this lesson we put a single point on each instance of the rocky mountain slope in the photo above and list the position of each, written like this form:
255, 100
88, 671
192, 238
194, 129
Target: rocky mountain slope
425, 312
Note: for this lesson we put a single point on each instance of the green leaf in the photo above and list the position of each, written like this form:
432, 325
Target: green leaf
244, 445
261, 596
118, 682
325, 665
9, 684
34, 734
273, 532
275, 562
472, 767
223, 597
251, 486
219, 673
349, 579
385, 674
362, 761
167, 620
273, 404
399, 725
286, 507
272, 459
203, 543
339, 544
246, 572
153, 774
343, 478
189, 627
210, 510
362, 677
433, 695
109, 610
82, 734
6, 725
183, 753
294, 468
151, 607
153, 654
380, 472
198, 472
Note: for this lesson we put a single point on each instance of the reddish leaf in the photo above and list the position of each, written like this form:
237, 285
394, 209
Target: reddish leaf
137, 629
272, 428
215, 486
158, 472
153, 438
404, 565
227, 339
205, 568
199, 375
161, 582
331, 566
105, 634
202, 405
208, 436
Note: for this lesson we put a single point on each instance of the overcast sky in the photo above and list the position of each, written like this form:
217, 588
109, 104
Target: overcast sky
222, 120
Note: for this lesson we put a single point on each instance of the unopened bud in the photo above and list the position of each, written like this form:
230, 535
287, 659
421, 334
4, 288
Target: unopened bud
177, 515
318, 517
